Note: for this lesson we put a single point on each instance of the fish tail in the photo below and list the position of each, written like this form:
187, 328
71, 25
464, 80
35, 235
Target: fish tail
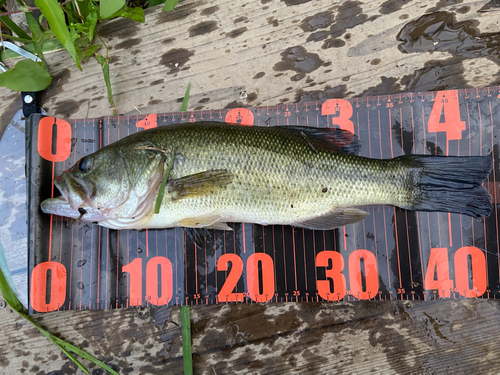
450, 184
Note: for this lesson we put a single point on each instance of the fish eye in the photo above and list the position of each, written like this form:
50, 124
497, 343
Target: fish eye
86, 164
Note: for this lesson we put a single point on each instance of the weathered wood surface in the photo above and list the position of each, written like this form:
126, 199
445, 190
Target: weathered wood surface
443, 337
275, 52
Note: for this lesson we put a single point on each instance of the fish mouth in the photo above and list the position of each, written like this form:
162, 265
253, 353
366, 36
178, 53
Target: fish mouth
59, 206
72, 197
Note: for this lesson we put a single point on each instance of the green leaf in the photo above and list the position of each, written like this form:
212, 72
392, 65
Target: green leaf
153, 3
38, 36
184, 104
109, 7
187, 357
135, 14
105, 71
90, 51
35, 27
14, 28
27, 75
83, 7
169, 5
92, 18
55, 16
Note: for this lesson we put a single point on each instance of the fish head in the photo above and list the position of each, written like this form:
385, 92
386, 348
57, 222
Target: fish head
112, 183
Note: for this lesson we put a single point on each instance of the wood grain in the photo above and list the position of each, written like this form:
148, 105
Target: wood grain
443, 337
251, 53
273, 52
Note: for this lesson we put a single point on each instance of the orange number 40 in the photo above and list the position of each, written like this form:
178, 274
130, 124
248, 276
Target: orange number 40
437, 276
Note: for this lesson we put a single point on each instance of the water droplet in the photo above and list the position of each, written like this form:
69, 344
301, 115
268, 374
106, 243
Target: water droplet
80, 285
81, 262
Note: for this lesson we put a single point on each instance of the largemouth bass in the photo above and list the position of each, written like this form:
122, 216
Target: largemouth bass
299, 176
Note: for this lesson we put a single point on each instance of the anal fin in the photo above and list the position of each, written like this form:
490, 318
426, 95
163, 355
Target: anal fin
199, 221
206, 222
219, 226
334, 219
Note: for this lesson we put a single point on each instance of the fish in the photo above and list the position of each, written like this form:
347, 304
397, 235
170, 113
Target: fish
219, 173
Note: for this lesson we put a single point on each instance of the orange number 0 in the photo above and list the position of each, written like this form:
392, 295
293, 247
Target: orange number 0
46, 148
42, 301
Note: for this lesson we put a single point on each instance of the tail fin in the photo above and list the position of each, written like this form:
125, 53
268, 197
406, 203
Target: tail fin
451, 184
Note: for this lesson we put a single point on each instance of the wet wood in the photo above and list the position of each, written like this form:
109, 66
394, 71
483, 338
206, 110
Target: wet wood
444, 337
250, 53
264, 53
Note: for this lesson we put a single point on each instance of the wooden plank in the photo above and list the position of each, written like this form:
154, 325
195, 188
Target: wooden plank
451, 336
132, 341
273, 52
264, 53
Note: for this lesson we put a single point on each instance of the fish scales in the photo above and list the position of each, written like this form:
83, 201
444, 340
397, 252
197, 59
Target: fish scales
279, 178
306, 177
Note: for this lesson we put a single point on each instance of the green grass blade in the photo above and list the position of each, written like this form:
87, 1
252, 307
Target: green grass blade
105, 72
187, 357
14, 28
7, 292
66, 347
11, 298
163, 184
186, 98
15, 38
57, 22
165, 178
169, 5
68, 354
9, 295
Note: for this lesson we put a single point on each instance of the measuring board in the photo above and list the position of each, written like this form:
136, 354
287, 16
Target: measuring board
391, 254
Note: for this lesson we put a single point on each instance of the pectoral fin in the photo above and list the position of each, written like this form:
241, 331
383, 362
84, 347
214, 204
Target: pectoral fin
202, 183
335, 219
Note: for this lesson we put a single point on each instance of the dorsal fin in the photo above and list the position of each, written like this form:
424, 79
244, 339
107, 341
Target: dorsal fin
332, 139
